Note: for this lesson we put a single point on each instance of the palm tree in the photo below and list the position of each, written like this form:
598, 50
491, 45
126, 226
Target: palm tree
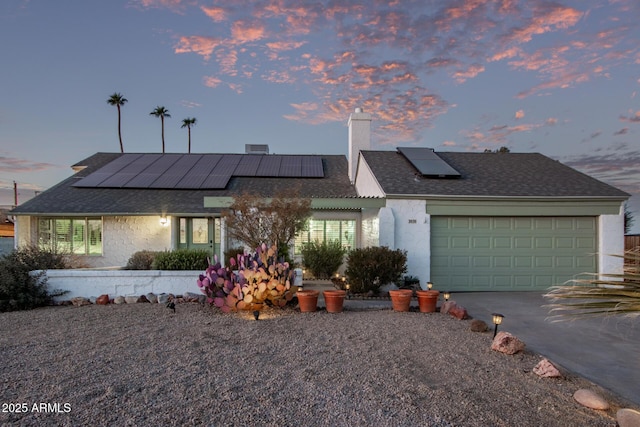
118, 100
187, 123
162, 113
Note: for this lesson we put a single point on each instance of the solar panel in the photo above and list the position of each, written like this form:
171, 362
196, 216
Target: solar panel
124, 175
269, 166
428, 163
312, 167
174, 174
291, 166
248, 165
199, 172
221, 174
96, 178
145, 178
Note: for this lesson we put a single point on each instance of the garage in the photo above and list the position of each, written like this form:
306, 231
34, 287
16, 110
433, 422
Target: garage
510, 253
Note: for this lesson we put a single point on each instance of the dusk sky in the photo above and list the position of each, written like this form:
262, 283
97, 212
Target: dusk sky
559, 78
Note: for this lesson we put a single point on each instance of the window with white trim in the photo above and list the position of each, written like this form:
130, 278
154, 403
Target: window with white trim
327, 230
80, 236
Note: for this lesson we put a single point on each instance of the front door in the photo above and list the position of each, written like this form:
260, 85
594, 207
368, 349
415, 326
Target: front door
200, 233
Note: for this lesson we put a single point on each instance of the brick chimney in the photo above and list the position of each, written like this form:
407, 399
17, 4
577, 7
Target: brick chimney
359, 138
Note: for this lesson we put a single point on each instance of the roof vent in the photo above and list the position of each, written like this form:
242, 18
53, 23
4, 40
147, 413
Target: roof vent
256, 148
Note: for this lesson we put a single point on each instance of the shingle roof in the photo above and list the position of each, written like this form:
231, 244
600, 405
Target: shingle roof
63, 198
488, 174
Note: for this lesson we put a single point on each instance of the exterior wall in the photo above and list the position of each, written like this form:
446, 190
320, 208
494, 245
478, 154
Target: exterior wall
124, 235
88, 283
370, 229
411, 232
611, 242
366, 184
24, 225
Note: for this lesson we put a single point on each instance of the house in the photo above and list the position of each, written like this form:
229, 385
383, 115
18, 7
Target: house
6, 232
468, 221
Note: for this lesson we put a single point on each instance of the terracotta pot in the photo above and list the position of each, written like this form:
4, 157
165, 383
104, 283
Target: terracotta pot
308, 300
427, 300
401, 299
334, 300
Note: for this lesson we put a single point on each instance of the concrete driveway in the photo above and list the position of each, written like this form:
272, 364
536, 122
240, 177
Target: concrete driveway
605, 350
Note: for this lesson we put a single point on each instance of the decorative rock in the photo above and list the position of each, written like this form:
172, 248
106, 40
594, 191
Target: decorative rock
506, 343
80, 301
102, 299
163, 298
119, 300
628, 417
92, 299
446, 306
590, 399
459, 312
153, 298
131, 299
142, 298
191, 297
478, 325
546, 369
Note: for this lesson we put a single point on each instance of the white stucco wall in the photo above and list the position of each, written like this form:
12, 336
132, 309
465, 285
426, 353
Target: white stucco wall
366, 184
411, 232
370, 229
88, 283
611, 242
124, 235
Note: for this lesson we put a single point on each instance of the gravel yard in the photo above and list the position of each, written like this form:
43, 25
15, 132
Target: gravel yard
141, 364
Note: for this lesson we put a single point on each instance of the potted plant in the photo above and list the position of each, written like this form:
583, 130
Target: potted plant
307, 300
401, 299
427, 300
334, 300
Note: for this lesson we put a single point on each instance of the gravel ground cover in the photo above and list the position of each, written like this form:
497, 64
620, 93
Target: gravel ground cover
141, 364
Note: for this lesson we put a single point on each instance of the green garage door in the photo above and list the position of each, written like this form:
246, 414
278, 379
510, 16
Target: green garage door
510, 253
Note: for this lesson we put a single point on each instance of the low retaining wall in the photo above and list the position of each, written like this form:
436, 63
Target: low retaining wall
88, 283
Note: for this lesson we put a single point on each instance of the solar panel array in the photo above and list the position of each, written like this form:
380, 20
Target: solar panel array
428, 163
197, 171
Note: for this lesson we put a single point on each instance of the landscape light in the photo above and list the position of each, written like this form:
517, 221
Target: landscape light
497, 319
429, 285
447, 295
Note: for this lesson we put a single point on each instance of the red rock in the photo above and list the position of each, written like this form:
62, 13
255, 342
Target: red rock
458, 312
102, 299
590, 399
446, 306
506, 343
546, 369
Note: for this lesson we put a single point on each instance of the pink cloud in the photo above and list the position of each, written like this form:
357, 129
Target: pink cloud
246, 31
546, 17
217, 14
519, 114
634, 118
203, 46
472, 71
13, 164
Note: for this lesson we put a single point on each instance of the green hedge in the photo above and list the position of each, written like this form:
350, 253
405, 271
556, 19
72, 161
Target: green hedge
323, 259
181, 259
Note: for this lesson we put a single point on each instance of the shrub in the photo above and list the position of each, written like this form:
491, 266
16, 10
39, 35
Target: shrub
260, 280
370, 268
141, 260
323, 259
21, 290
181, 259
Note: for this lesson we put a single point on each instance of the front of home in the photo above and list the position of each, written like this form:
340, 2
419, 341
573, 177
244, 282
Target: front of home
468, 221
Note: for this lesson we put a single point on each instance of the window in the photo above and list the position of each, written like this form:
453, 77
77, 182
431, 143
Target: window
327, 230
80, 236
